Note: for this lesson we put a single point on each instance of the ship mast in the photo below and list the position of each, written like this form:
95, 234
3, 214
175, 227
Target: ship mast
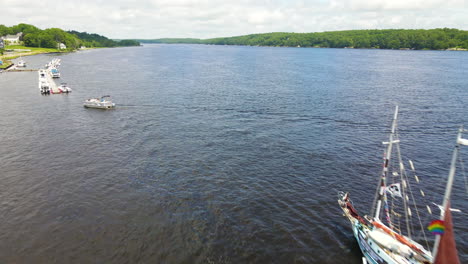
448, 188
382, 194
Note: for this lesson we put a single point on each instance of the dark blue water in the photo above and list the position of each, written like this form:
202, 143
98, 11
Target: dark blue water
218, 154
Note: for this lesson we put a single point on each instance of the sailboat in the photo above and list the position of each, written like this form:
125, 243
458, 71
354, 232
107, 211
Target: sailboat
381, 239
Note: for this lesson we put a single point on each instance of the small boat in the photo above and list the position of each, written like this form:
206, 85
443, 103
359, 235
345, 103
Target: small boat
55, 73
21, 63
44, 86
52, 64
42, 74
64, 88
101, 103
394, 241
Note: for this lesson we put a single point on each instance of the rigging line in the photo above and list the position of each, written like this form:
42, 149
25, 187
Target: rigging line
392, 214
416, 209
402, 179
462, 166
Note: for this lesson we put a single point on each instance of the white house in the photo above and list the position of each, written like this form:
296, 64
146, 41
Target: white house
61, 46
13, 39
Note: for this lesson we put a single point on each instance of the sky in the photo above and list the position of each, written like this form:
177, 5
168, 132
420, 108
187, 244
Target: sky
150, 19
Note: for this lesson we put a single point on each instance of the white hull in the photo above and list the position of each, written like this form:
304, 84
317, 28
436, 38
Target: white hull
379, 247
44, 89
44, 86
373, 252
380, 243
98, 104
21, 63
54, 73
64, 89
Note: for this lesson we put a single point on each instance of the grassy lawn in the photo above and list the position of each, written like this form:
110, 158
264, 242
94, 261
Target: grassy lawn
24, 51
21, 51
32, 49
5, 64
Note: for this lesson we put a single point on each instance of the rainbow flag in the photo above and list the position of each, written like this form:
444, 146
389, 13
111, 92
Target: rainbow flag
436, 227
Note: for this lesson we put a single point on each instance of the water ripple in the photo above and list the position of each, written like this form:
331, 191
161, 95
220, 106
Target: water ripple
216, 154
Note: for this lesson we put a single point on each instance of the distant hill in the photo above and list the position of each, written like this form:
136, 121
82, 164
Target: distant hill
432, 39
171, 40
51, 37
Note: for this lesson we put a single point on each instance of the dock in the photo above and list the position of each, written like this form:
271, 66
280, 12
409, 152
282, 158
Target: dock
22, 70
53, 86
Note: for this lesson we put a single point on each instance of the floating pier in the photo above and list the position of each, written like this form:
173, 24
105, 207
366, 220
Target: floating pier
46, 77
52, 85
22, 70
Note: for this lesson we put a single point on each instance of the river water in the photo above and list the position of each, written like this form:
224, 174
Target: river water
218, 154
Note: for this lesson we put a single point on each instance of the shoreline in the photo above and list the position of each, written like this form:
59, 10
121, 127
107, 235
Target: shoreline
6, 58
301, 47
17, 54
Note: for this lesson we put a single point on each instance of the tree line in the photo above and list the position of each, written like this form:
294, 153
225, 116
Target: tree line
418, 39
51, 37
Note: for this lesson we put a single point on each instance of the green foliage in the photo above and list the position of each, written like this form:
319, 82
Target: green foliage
51, 37
171, 40
4, 30
5, 64
25, 28
434, 39
95, 40
128, 42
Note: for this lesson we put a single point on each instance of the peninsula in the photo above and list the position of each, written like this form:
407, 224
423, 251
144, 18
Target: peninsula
24, 39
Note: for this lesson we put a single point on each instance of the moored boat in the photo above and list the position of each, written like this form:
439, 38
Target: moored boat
64, 88
54, 72
21, 63
387, 242
100, 103
44, 86
42, 74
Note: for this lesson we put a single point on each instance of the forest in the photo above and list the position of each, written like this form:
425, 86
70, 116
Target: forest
417, 39
51, 37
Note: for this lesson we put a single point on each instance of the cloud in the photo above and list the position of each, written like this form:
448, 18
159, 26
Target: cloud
209, 18
386, 5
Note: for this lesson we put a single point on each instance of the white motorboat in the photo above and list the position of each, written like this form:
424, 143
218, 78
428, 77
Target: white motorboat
42, 74
44, 86
53, 64
21, 63
64, 88
54, 73
101, 103
387, 235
